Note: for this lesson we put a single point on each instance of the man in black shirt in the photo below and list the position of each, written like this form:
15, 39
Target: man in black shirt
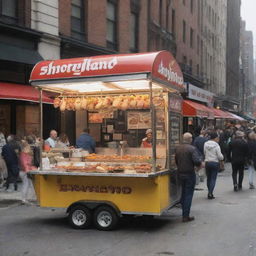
187, 158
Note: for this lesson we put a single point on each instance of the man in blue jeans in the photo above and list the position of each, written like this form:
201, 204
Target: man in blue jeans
187, 158
213, 156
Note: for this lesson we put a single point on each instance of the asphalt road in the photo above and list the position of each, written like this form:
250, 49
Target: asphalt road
225, 226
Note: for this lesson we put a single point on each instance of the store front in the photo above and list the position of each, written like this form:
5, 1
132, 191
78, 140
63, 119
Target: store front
19, 109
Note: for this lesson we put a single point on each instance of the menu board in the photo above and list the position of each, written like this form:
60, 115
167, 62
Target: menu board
138, 120
174, 136
175, 129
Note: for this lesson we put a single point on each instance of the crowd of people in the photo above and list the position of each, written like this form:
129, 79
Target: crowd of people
207, 150
19, 155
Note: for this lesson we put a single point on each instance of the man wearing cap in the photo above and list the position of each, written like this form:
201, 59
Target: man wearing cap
186, 158
147, 141
238, 149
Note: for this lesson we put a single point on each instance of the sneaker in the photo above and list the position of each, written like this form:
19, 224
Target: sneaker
211, 196
10, 189
252, 186
188, 219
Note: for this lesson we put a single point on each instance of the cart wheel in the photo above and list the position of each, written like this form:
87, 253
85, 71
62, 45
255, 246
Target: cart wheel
105, 218
80, 217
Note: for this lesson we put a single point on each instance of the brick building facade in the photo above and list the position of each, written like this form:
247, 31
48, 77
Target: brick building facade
52, 29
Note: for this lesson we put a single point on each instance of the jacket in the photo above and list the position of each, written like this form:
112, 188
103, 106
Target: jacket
212, 152
10, 156
186, 158
238, 150
199, 143
252, 152
26, 162
86, 142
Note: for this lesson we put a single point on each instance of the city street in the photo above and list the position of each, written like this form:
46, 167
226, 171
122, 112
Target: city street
224, 226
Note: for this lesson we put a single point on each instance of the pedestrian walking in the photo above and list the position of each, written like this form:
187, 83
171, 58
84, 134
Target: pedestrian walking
187, 158
3, 168
10, 153
251, 158
26, 163
199, 142
239, 150
213, 156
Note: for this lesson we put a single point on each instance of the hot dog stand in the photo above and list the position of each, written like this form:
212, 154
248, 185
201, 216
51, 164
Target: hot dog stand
126, 95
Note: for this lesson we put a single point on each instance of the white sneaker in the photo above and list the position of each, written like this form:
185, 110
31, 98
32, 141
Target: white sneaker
10, 188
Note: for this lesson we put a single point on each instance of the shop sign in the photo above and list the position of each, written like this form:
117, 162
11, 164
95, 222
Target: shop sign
170, 74
95, 189
200, 95
175, 104
77, 68
162, 65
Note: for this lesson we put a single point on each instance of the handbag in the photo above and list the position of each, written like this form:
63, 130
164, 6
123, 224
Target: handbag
222, 165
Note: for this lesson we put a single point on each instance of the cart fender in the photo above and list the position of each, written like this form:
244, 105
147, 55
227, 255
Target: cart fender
94, 204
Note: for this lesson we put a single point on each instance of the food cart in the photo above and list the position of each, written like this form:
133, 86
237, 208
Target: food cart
125, 95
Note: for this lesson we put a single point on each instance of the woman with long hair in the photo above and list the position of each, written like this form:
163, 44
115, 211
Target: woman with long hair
26, 164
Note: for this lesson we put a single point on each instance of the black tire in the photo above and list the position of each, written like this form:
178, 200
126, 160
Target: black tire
105, 218
80, 217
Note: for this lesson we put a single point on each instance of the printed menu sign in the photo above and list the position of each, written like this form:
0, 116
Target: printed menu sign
138, 120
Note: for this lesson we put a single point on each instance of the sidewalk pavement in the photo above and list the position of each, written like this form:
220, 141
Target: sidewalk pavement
10, 198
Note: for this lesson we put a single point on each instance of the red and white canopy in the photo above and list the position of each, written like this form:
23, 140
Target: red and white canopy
160, 66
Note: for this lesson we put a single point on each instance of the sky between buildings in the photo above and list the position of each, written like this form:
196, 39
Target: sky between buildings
248, 12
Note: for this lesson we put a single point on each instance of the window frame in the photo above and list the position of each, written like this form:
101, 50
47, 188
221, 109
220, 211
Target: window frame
9, 19
191, 39
192, 6
136, 32
112, 45
184, 28
79, 35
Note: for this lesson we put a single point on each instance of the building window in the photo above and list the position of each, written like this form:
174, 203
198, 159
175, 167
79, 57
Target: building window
173, 22
134, 32
198, 45
184, 31
190, 66
191, 37
77, 19
191, 6
160, 12
9, 11
184, 59
112, 25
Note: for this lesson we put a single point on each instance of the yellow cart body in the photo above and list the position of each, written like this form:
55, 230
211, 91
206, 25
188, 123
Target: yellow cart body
147, 194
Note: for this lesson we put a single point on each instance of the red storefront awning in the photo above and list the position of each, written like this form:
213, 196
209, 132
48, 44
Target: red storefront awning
193, 109
236, 117
220, 114
11, 91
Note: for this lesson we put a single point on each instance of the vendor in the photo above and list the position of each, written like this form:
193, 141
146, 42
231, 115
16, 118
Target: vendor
147, 142
51, 141
62, 141
86, 141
